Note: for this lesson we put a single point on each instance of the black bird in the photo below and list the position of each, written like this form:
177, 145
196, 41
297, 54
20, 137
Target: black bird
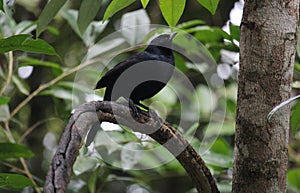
141, 76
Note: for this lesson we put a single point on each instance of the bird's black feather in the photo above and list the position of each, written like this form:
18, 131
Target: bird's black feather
148, 72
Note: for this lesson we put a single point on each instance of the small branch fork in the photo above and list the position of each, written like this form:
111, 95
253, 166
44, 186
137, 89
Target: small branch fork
90, 113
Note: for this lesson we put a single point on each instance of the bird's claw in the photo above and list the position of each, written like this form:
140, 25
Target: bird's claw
135, 110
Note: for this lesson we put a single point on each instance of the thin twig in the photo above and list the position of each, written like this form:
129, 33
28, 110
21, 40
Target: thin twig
29, 175
10, 72
13, 167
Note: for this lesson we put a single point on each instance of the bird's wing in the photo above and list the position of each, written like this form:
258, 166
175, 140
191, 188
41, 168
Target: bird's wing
111, 75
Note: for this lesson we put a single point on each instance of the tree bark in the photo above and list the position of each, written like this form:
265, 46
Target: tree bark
267, 51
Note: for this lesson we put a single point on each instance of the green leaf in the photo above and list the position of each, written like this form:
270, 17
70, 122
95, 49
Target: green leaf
23, 43
234, 31
145, 3
93, 180
71, 17
87, 12
130, 156
21, 85
48, 13
4, 100
93, 30
295, 118
14, 181
59, 93
38, 46
218, 160
226, 128
84, 164
13, 150
12, 42
298, 48
220, 146
1, 5
296, 84
134, 26
207, 34
115, 6
172, 10
4, 112
293, 177
190, 23
297, 65
26, 61
210, 5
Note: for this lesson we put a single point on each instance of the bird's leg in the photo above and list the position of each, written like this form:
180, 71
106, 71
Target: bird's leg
151, 112
134, 108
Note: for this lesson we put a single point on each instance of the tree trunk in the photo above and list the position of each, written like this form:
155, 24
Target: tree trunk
267, 51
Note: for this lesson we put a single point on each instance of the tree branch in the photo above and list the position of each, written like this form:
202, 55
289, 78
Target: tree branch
90, 113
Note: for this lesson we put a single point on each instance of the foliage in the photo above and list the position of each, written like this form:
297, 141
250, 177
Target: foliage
50, 64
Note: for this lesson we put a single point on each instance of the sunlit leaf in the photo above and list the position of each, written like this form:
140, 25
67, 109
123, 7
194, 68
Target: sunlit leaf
4, 100
210, 5
93, 31
134, 26
106, 46
71, 17
172, 10
145, 3
84, 164
218, 160
13, 150
21, 85
48, 13
115, 6
4, 112
87, 12
14, 181
226, 128
25, 27
296, 84
130, 156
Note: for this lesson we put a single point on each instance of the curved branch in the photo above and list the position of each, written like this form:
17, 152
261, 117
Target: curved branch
88, 114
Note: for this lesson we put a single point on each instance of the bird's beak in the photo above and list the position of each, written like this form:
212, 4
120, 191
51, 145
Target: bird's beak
172, 35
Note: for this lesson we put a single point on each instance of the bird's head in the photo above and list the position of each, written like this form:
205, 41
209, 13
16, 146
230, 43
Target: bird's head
164, 40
